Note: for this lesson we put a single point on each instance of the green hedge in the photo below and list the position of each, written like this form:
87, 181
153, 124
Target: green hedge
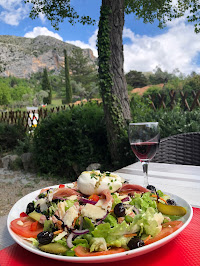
67, 142
10, 135
171, 122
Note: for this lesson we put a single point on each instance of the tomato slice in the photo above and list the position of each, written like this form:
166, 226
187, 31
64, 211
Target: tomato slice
163, 233
84, 252
23, 214
167, 229
61, 186
22, 226
94, 197
34, 226
173, 224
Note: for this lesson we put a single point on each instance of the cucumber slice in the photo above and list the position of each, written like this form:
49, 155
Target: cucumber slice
54, 248
35, 215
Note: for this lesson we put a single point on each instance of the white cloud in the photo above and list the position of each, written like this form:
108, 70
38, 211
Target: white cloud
13, 11
42, 17
42, 31
91, 43
176, 48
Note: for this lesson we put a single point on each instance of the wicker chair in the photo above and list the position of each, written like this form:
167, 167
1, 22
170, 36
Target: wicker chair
179, 149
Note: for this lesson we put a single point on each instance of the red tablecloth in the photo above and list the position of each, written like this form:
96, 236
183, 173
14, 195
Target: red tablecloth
183, 250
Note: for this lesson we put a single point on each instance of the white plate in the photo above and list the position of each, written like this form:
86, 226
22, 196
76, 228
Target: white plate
20, 206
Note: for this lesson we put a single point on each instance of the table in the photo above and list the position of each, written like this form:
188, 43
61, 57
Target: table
182, 180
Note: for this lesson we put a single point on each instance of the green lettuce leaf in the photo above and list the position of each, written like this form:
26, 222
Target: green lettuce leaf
143, 202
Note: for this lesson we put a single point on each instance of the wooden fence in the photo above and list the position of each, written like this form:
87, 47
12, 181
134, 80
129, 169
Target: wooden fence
29, 118
160, 101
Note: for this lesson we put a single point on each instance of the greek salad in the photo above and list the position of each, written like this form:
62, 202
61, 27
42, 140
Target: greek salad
99, 214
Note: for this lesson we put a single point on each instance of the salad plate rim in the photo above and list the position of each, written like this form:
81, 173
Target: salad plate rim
93, 259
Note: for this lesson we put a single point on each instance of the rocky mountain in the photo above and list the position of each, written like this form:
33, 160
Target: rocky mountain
20, 56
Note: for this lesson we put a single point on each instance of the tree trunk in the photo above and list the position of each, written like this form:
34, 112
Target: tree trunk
112, 80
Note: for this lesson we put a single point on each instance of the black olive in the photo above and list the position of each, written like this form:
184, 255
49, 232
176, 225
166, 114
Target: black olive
37, 209
135, 243
56, 200
41, 196
119, 210
45, 237
152, 188
30, 208
171, 202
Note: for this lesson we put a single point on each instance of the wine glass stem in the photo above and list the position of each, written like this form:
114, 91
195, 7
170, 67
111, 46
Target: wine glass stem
145, 171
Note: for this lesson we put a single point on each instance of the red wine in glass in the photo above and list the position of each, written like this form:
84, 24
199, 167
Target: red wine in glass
144, 139
145, 151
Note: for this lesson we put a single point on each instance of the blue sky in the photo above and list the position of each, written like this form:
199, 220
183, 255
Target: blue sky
145, 45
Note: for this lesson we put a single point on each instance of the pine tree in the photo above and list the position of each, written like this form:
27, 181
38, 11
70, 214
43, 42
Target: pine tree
46, 86
67, 80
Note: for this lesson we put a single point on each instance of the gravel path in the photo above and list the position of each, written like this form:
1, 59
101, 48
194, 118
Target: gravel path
16, 184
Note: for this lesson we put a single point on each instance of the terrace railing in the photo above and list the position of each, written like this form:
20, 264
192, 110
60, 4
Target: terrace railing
160, 100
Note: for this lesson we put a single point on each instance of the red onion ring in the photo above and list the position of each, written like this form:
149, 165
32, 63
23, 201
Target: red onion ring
84, 200
125, 199
60, 198
69, 240
81, 232
99, 222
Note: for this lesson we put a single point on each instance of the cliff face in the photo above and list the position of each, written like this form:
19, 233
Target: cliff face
20, 56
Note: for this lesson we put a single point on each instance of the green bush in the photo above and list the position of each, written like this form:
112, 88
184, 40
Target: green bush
10, 135
64, 144
67, 142
171, 122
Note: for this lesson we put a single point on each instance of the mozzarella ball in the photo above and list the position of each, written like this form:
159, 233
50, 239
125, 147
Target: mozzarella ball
94, 182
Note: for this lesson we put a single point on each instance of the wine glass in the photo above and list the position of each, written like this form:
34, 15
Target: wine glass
144, 139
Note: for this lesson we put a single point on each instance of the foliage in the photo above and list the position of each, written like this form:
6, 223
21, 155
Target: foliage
164, 11
12, 89
68, 88
46, 86
192, 83
160, 76
67, 142
153, 91
82, 70
171, 122
57, 12
5, 96
24, 145
149, 11
187, 86
136, 79
10, 135
39, 97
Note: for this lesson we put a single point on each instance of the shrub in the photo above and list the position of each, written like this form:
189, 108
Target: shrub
171, 122
10, 135
65, 143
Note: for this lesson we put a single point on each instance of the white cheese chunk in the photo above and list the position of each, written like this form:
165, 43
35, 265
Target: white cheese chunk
72, 197
61, 209
42, 202
106, 205
20, 223
60, 236
70, 215
93, 212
